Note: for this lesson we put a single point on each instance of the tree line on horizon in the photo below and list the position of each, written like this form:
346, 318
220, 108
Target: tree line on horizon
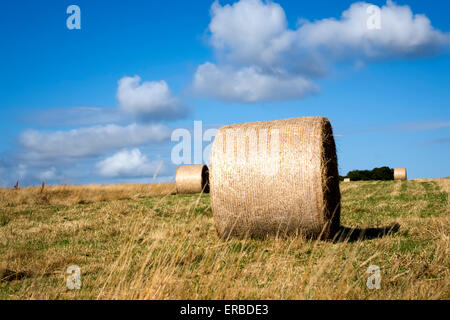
382, 173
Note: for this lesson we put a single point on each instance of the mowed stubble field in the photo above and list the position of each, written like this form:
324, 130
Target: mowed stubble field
145, 242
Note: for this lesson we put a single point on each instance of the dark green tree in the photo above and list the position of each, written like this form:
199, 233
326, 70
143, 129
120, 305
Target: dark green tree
383, 173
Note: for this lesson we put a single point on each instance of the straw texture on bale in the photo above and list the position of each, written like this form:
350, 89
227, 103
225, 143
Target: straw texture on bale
301, 196
192, 179
400, 174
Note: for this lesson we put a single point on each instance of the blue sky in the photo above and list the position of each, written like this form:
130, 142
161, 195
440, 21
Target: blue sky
98, 105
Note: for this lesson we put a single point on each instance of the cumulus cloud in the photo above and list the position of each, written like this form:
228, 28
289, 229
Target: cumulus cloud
48, 174
90, 141
252, 37
250, 84
402, 33
72, 154
149, 100
128, 163
13, 169
249, 31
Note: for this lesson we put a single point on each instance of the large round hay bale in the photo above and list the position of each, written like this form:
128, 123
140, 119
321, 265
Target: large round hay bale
400, 174
274, 178
192, 179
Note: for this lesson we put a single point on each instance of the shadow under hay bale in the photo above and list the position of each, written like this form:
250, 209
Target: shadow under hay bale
346, 234
275, 177
192, 179
400, 174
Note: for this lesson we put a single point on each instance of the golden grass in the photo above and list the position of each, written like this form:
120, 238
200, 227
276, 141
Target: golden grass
70, 195
166, 247
444, 183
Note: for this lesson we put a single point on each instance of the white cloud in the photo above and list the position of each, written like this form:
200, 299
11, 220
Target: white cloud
249, 31
13, 169
91, 141
252, 38
249, 84
402, 33
128, 163
48, 174
149, 100
71, 155
11, 172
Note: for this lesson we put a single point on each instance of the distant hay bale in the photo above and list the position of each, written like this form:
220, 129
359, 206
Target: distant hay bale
346, 179
275, 177
400, 174
192, 179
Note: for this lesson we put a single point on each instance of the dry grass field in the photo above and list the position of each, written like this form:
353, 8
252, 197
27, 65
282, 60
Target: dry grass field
145, 242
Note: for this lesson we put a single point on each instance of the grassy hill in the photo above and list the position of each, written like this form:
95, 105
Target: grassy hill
143, 241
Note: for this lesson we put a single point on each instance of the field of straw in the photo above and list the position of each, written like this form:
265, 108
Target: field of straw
146, 242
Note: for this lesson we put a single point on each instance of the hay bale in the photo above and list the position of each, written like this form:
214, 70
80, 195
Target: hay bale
260, 187
192, 179
346, 179
400, 174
